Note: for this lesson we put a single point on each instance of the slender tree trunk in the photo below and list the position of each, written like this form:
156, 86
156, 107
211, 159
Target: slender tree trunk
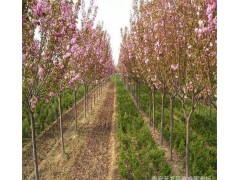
85, 101
99, 90
187, 145
136, 93
162, 118
150, 108
199, 108
139, 91
93, 95
91, 99
75, 109
60, 118
171, 127
35, 159
210, 107
153, 109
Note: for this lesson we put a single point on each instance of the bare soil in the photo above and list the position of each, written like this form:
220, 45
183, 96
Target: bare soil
91, 153
49, 139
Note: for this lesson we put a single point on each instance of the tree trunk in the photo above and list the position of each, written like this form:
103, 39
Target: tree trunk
35, 159
150, 108
162, 118
75, 109
99, 90
210, 107
85, 101
153, 109
171, 127
94, 96
91, 100
187, 145
60, 118
139, 91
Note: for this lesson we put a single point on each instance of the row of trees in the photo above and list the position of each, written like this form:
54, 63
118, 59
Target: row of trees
61, 48
171, 47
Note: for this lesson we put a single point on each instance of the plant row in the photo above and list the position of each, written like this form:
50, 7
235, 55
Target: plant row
203, 157
139, 158
171, 47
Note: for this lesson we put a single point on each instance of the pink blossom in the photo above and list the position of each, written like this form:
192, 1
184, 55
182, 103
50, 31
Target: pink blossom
200, 22
51, 94
210, 16
24, 58
89, 24
34, 21
61, 65
39, 9
31, 32
189, 46
68, 47
31, 81
190, 85
40, 72
73, 40
146, 61
205, 30
174, 67
33, 102
67, 55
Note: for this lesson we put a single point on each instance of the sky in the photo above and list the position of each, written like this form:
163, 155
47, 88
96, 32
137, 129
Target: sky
115, 14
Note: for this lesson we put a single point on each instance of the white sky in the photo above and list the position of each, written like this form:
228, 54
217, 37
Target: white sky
115, 14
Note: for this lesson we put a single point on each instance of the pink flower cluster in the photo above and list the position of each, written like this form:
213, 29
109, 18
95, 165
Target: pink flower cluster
40, 72
174, 67
33, 102
39, 9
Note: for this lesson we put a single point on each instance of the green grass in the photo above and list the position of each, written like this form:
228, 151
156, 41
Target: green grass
203, 133
139, 158
46, 113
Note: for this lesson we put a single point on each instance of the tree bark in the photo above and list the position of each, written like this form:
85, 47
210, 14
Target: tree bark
60, 118
75, 109
91, 99
99, 90
85, 101
94, 96
150, 108
139, 91
210, 107
153, 109
162, 118
187, 145
171, 127
35, 159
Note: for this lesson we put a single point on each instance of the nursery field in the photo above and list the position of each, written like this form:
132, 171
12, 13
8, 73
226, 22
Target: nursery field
136, 100
117, 141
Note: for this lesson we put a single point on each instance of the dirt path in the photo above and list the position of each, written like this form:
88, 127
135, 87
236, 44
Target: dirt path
49, 139
177, 163
113, 173
91, 153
